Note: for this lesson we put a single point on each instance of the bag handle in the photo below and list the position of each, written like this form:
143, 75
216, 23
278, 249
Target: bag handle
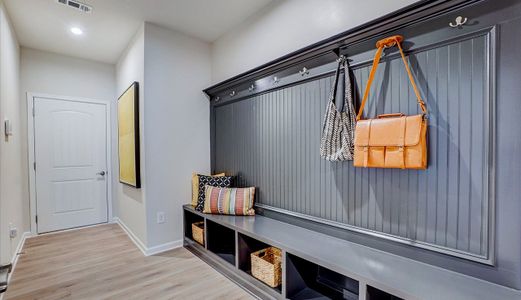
393, 115
387, 43
335, 83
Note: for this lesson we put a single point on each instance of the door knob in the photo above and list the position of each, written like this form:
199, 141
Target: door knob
102, 173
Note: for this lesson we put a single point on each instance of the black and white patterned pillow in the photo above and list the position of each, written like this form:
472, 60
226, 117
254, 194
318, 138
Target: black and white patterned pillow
221, 181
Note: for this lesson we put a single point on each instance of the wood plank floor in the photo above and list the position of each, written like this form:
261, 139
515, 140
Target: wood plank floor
102, 263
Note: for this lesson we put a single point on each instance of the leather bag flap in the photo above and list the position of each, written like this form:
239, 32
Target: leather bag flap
397, 131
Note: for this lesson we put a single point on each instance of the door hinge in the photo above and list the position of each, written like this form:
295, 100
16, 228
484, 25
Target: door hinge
34, 166
36, 219
34, 113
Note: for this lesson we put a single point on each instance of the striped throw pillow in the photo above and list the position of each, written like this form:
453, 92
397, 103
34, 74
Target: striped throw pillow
229, 201
223, 181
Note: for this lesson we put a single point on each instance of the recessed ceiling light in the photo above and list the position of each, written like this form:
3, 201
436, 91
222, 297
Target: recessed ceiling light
76, 30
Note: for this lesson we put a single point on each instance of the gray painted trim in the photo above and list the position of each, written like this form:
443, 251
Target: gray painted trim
326, 66
490, 152
284, 290
362, 291
378, 234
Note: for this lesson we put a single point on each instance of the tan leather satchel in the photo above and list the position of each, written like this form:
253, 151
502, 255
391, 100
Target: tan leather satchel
391, 140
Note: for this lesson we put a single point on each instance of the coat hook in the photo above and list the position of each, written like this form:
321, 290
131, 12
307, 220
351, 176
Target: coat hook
276, 80
341, 58
232, 94
251, 88
460, 21
304, 71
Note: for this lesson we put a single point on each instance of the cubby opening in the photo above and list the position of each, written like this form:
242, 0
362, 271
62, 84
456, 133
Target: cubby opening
221, 241
376, 294
191, 218
248, 245
307, 280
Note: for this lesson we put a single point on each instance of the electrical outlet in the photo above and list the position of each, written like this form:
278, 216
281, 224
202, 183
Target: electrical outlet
160, 217
13, 232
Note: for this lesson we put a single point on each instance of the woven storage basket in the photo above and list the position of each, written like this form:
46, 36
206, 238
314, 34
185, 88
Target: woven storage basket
266, 266
198, 232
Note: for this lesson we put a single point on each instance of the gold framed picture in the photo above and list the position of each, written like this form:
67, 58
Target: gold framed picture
128, 136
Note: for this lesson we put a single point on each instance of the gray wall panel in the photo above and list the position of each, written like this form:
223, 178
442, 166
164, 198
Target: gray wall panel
272, 141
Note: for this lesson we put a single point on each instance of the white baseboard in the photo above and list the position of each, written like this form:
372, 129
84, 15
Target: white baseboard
19, 248
164, 247
147, 251
14, 259
131, 235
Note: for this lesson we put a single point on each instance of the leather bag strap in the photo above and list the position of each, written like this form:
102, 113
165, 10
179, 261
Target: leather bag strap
381, 44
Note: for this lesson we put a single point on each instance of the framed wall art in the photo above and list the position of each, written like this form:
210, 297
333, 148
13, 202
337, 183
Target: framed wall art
128, 136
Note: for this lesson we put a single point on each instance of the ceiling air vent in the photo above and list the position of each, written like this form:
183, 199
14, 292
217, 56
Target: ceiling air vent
76, 5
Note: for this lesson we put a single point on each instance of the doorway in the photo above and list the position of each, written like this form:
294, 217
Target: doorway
70, 158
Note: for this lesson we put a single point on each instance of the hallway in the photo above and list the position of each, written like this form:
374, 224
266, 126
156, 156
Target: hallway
101, 262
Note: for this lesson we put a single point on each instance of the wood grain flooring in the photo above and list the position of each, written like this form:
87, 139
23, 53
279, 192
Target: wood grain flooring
102, 263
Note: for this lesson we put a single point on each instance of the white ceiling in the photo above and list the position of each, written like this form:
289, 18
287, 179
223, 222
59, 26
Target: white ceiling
45, 25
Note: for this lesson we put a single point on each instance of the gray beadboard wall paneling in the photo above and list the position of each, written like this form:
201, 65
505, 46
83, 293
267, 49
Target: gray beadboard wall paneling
271, 140
499, 234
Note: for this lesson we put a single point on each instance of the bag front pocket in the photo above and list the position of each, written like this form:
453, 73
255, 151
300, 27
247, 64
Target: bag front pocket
376, 156
394, 157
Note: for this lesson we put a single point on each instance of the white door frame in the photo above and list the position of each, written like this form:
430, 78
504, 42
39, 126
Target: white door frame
31, 149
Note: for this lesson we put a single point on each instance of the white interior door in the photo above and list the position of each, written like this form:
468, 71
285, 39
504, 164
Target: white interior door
70, 141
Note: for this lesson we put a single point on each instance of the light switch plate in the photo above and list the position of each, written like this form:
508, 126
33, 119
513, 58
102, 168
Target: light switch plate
13, 232
160, 217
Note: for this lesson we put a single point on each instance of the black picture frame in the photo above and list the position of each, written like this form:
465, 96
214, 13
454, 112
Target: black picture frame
137, 159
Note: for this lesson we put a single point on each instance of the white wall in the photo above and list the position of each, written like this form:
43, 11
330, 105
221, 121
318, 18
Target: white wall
130, 202
286, 26
49, 73
172, 69
13, 185
46, 72
56, 74
177, 132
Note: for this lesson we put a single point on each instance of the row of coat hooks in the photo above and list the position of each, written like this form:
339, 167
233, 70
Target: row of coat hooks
303, 72
458, 23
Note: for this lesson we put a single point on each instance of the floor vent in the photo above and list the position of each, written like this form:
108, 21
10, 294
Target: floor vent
76, 5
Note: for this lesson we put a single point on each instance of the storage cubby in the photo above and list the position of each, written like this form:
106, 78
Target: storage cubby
247, 246
376, 294
307, 280
221, 241
191, 218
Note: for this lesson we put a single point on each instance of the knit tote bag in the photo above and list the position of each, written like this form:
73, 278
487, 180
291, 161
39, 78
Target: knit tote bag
337, 142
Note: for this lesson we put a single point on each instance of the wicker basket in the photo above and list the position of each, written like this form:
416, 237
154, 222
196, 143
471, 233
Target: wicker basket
266, 266
198, 232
